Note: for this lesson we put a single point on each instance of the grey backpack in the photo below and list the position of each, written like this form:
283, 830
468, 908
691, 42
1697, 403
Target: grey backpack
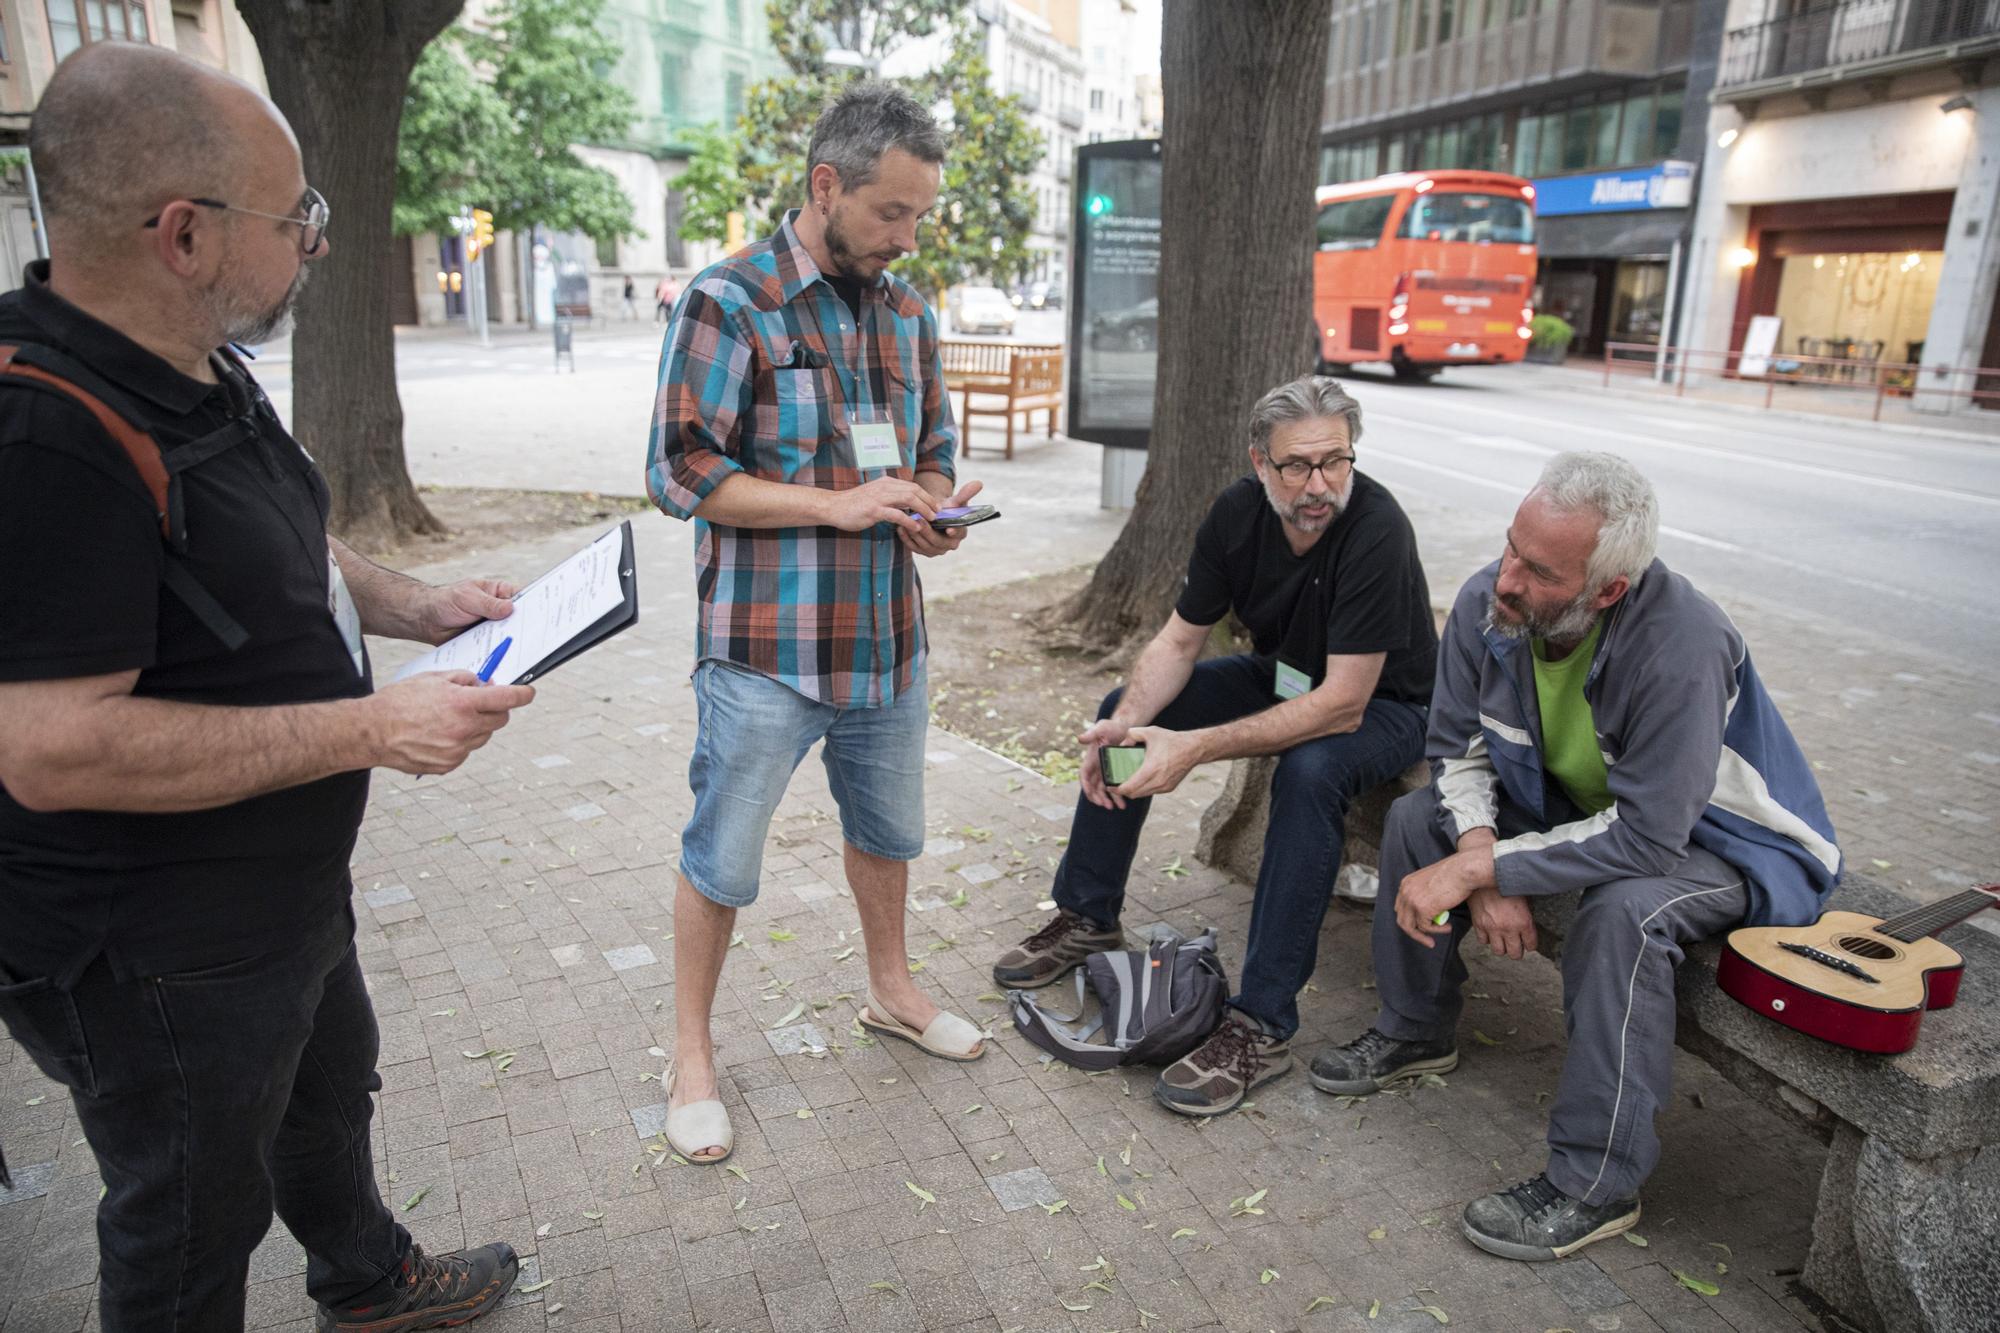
1154, 1005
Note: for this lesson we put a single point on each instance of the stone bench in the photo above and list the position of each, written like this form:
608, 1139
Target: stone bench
1906, 1231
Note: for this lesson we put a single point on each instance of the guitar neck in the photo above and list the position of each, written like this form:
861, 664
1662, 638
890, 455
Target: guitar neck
1933, 917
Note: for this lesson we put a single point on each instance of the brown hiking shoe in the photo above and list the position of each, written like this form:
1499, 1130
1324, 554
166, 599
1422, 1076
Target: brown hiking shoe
1054, 951
1214, 1077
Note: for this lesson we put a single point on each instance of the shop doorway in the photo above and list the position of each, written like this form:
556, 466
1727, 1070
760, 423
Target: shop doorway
1866, 306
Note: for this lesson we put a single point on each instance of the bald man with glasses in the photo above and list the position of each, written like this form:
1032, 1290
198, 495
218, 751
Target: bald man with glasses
1319, 564
187, 718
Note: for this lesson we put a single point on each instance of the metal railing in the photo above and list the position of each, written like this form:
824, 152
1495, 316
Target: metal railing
1976, 385
1848, 32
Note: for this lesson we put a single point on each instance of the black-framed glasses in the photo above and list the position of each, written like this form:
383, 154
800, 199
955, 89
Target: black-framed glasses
1296, 470
312, 227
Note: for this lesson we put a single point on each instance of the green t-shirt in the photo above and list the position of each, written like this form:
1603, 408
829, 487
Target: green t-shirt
1569, 733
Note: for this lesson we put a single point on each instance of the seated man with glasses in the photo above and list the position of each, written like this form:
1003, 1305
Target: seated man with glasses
1320, 565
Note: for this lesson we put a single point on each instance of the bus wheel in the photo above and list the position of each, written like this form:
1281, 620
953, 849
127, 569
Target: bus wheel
1411, 373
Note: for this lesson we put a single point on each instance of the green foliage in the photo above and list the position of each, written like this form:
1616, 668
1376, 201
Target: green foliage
712, 186
491, 115
984, 197
1550, 333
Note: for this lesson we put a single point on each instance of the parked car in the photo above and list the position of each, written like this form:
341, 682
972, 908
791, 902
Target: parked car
1044, 296
982, 310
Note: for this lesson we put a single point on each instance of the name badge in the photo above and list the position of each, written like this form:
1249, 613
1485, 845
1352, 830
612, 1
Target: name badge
345, 615
1292, 682
875, 445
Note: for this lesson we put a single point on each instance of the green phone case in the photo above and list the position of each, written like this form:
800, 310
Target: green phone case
1120, 762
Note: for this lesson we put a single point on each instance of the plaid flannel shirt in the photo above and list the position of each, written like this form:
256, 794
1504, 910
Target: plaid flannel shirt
764, 370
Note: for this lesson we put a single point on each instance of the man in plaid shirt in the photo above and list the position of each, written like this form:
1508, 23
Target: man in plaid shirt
802, 423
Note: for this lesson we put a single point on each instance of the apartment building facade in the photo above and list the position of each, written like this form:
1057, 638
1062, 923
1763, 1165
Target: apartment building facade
1599, 102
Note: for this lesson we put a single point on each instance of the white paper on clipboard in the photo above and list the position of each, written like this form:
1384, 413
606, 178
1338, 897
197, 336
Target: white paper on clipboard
548, 613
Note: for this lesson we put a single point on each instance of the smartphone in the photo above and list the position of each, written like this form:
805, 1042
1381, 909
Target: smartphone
1119, 762
964, 516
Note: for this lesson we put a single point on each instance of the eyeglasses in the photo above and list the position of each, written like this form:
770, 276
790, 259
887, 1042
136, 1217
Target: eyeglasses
312, 227
1296, 470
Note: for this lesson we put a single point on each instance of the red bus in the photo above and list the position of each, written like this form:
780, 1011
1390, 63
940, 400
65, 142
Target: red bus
1424, 269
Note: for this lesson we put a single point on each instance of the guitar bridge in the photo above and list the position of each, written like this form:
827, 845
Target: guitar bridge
1834, 961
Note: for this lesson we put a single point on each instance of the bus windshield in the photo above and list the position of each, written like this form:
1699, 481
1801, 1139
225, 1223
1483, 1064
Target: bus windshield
1443, 216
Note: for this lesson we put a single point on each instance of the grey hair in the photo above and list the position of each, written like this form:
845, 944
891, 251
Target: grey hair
866, 121
122, 127
1307, 398
1619, 494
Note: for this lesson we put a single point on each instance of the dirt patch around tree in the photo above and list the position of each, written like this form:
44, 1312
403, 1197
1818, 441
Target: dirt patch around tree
995, 681
485, 520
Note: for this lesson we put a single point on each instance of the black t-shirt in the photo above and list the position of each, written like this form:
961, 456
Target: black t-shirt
849, 290
81, 557
1359, 589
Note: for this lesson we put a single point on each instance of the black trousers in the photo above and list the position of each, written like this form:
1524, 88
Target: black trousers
210, 1098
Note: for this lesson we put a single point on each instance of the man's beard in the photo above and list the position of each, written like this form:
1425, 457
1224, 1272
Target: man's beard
1336, 504
847, 261
1567, 625
248, 328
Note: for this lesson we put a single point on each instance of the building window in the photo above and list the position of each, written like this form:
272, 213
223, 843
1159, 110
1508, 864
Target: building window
732, 96
1097, 99
1444, 20
72, 23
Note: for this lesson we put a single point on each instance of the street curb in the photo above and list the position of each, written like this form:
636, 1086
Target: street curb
1788, 414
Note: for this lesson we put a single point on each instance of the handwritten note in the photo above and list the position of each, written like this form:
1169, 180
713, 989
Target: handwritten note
548, 613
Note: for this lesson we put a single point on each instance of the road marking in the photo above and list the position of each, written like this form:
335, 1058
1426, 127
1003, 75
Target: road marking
1797, 566
1732, 455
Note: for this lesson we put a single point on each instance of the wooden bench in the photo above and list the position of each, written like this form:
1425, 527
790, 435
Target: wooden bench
1907, 1226
1026, 378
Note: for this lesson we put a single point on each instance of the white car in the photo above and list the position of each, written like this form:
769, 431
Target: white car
982, 310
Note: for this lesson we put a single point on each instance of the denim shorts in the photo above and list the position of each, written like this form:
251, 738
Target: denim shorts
751, 734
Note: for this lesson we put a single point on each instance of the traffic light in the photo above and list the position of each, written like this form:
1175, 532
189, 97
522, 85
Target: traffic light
482, 233
1098, 205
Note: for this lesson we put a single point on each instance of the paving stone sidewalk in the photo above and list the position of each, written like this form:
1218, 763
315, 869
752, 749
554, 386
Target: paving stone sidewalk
514, 927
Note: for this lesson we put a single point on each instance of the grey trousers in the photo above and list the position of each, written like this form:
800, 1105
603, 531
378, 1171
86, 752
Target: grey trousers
1618, 964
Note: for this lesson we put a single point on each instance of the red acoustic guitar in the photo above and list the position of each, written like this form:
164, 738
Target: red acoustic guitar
1857, 981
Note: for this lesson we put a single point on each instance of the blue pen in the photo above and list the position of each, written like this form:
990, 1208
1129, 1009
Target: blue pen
493, 662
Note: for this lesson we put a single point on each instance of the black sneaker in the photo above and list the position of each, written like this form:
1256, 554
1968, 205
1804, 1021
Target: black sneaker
1054, 951
1534, 1221
433, 1292
1374, 1060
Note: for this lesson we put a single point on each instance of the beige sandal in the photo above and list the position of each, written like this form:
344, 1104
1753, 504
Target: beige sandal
697, 1126
948, 1036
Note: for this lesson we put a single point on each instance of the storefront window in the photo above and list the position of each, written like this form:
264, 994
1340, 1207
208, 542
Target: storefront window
1527, 138
1638, 302
1870, 306
1579, 138
1667, 124
1635, 137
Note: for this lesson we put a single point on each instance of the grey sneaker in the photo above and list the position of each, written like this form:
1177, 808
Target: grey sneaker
1374, 1060
1054, 951
1216, 1075
1536, 1222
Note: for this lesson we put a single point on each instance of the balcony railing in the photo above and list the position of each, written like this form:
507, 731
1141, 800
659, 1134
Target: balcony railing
1850, 32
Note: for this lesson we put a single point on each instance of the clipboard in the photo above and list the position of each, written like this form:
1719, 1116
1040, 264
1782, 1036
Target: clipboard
574, 589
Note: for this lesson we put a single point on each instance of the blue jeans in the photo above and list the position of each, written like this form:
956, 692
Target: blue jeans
1315, 782
751, 734
209, 1098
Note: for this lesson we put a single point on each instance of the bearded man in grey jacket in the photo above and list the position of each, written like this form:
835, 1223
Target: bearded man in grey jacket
1597, 728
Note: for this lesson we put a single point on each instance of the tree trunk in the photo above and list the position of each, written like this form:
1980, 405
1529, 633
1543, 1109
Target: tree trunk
339, 72
1243, 95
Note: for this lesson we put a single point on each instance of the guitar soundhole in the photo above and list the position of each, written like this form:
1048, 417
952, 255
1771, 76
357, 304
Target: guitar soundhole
1863, 947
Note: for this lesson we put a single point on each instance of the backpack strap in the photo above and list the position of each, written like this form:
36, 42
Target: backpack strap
47, 370
139, 445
